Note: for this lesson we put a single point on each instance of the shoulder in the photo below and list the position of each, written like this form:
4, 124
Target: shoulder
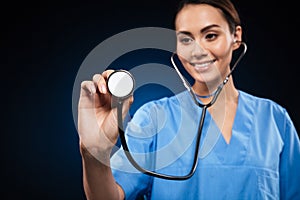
261, 103
167, 102
163, 108
265, 110
267, 115
156, 112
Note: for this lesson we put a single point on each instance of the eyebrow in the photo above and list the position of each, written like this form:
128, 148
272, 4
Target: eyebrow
201, 31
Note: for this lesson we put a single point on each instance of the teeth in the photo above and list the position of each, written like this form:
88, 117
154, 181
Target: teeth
202, 64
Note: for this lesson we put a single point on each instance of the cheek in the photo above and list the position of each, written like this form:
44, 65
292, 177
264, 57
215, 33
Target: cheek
185, 64
223, 49
220, 50
185, 52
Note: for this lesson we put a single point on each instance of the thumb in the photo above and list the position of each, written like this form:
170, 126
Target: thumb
126, 105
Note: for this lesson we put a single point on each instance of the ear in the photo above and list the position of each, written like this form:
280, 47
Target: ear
237, 37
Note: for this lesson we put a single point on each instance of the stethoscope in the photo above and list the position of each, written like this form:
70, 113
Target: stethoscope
121, 85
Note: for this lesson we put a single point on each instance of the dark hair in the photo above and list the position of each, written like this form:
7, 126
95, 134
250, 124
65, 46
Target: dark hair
226, 6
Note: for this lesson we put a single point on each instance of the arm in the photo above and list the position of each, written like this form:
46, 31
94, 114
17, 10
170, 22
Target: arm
98, 180
98, 133
290, 163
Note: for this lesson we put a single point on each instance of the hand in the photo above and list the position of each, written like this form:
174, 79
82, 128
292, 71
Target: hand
97, 118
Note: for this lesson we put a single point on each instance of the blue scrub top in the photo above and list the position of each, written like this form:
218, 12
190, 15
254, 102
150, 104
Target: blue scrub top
262, 160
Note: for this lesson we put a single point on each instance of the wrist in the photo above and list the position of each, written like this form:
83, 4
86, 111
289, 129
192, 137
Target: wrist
95, 154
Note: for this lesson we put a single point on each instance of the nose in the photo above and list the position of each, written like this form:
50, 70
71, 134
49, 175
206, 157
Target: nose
198, 51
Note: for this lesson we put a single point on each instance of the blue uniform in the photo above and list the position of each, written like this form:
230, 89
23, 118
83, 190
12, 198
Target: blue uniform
262, 160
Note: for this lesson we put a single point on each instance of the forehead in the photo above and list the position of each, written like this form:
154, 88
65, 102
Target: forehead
199, 16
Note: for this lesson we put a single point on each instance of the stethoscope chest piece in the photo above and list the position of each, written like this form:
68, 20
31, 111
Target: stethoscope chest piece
121, 84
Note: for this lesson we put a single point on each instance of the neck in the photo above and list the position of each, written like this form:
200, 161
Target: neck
205, 94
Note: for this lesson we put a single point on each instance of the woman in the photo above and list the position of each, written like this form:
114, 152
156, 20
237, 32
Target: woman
256, 151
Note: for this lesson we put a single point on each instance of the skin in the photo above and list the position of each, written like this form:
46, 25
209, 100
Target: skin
98, 133
203, 35
211, 40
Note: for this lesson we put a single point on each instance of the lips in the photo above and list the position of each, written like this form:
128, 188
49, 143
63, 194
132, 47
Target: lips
203, 64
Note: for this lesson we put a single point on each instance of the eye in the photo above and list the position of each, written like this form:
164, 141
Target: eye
186, 40
211, 36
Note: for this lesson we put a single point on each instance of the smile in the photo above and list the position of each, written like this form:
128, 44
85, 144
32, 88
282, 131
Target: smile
203, 64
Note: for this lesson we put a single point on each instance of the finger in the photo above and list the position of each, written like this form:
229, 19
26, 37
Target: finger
126, 105
107, 73
101, 79
87, 91
100, 83
131, 99
105, 76
88, 87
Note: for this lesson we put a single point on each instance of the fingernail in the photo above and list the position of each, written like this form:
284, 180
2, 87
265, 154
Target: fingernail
103, 89
93, 90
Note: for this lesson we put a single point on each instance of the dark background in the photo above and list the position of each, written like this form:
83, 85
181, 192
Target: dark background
43, 46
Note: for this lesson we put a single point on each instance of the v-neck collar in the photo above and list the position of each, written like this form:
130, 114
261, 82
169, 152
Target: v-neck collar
213, 142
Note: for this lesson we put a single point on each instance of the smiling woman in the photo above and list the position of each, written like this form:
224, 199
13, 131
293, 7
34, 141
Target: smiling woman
204, 45
246, 139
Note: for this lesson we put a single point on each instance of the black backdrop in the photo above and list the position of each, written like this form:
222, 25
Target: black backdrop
43, 46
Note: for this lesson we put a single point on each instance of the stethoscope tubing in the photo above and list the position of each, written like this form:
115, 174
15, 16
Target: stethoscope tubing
200, 127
